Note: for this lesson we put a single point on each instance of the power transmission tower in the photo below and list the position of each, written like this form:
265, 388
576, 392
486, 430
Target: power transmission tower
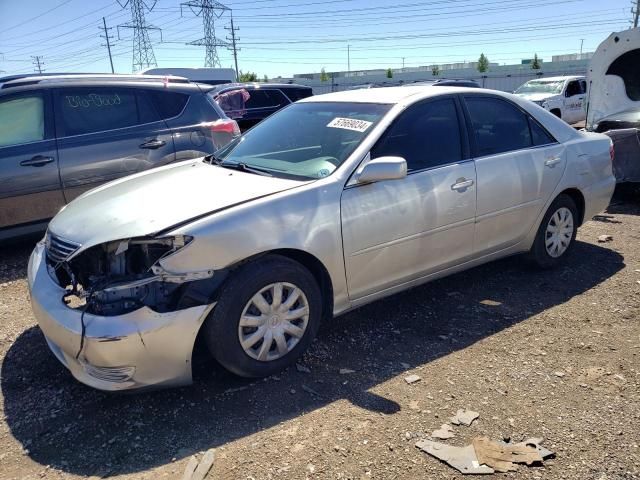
210, 11
107, 38
37, 63
233, 29
143, 56
636, 12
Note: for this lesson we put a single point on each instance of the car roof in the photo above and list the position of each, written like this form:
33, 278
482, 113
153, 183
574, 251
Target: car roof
388, 95
155, 84
256, 85
88, 79
559, 78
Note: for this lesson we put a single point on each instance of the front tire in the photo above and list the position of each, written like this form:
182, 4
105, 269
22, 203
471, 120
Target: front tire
556, 234
267, 314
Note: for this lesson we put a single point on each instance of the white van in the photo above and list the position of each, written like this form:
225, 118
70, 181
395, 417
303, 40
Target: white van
212, 76
562, 96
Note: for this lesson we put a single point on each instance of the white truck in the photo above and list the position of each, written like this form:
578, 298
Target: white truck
562, 96
613, 106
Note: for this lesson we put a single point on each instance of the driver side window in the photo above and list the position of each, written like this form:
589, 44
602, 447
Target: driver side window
573, 88
426, 136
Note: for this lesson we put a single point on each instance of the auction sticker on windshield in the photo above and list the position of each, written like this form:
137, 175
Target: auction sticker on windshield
349, 124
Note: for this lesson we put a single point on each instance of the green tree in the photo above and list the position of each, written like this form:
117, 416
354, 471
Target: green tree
247, 77
483, 63
389, 73
265, 79
536, 64
435, 70
323, 75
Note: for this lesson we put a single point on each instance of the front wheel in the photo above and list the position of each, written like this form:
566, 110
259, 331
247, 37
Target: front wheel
267, 315
556, 234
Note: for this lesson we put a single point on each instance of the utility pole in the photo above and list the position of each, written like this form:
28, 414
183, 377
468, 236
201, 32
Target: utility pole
233, 29
348, 58
37, 63
143, 56
581, 43
403, 64
210, 11
107, 37
636, 12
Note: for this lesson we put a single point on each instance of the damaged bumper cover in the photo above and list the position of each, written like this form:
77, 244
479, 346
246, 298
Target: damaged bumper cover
141, 348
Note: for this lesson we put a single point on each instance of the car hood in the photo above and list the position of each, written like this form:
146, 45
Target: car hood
536, 97
149, 202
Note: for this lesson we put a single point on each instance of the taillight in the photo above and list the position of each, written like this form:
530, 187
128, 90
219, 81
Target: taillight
612, 152
225, 126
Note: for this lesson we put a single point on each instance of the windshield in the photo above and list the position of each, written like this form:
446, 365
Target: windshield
304, 140
541, 86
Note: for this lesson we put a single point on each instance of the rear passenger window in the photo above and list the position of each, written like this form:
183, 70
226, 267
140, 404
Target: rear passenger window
22, 119
539, 134
296, 94
497, 126
168, 104
89, 110
265, 99
426, 136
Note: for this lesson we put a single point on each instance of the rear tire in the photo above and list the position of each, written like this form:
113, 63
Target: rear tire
267, 314
556, 234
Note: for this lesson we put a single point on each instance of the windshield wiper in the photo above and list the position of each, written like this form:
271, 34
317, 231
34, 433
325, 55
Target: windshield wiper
243, 167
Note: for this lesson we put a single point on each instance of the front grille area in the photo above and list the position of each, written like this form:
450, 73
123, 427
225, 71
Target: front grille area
58, 249
110, 374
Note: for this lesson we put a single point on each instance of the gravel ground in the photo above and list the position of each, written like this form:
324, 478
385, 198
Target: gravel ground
553, 354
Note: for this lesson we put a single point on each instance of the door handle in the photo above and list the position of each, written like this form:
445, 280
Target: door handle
551, 162
461, 184
37, 161
153, 144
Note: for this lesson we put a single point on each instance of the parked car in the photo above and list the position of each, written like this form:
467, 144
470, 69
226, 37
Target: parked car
63, 135
250, 103
331, 203
614, 99
562, 96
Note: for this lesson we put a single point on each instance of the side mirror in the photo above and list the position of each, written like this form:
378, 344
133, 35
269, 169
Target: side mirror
382, 168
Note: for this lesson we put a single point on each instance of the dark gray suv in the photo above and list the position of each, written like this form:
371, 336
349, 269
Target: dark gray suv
63, 135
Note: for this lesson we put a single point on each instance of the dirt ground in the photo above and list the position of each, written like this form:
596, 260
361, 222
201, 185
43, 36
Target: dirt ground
554, 354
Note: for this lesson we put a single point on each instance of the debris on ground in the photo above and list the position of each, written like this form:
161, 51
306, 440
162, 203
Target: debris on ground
198, 470
503, 457
302, 368
490, 303
559, 374
462, 459
605, 238
485, 456
412, 379
444, 432
464, 417
345, 371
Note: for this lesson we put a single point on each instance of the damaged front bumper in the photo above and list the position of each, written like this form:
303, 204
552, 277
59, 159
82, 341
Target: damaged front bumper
142, 348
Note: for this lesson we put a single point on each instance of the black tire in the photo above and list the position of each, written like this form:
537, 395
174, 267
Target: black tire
221, 329
538, 254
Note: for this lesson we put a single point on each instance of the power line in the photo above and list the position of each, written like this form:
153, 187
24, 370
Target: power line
143, 56
37, 16
37, 63
107, 39
233, 40
210, 10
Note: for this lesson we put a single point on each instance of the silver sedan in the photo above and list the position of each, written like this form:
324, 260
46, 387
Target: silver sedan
329, 204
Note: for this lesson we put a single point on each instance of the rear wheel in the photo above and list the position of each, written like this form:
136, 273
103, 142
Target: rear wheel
556, 234
267, 315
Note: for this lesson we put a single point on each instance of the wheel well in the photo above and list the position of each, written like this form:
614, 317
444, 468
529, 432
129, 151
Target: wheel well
578, 199
318, 271
556, 112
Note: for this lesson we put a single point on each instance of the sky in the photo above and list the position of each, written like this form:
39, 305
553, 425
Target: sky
284, 37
